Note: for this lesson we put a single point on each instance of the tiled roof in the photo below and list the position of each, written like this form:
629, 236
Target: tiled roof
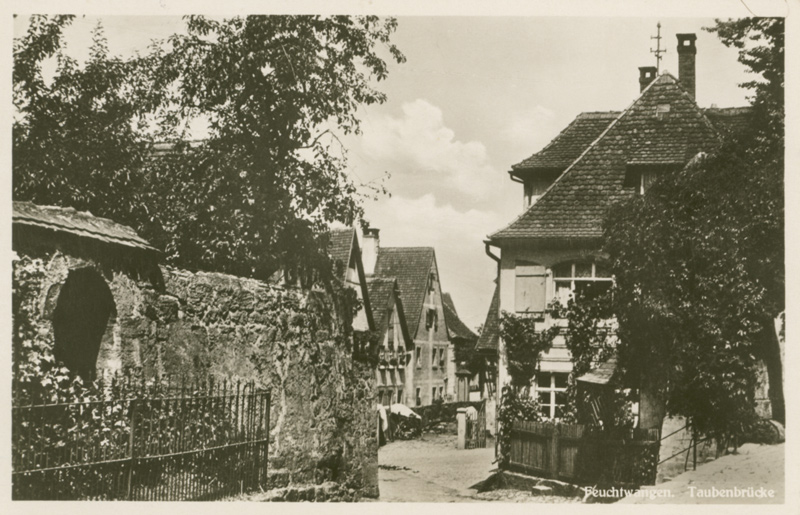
79, 223
341, 245
575, 204
455, 326
411, 266
570, 143
380, 297
487, 341
730, 119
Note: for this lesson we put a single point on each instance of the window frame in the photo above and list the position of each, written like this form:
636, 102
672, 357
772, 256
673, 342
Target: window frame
573, 278
552, 389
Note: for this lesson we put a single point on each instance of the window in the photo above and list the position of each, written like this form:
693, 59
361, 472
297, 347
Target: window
433, 394
586, 280
441, 358
551, 389
433, 358
646, 179
529, 288
400, 396
419, 399
431, 316
390, 333
419, 356
535, 188
441, 392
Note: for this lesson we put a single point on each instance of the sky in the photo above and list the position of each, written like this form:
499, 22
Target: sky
477, 95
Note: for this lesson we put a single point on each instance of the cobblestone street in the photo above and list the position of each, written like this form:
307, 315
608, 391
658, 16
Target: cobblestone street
431, 469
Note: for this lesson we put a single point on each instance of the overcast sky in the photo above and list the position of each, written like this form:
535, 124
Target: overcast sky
477, 95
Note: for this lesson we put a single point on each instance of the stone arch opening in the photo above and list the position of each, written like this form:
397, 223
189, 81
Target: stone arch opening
82, 314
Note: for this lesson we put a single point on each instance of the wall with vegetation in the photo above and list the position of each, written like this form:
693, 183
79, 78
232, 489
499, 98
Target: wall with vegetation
192, 326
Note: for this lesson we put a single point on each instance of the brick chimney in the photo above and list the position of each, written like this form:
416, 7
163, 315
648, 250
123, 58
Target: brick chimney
647, 74
371, 244
686, 68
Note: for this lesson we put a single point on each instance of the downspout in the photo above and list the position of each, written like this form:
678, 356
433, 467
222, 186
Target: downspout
488, 244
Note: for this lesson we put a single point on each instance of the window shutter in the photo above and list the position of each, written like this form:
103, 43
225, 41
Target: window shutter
529, 289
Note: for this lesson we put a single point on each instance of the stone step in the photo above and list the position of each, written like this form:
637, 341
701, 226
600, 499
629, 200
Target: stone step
541, 490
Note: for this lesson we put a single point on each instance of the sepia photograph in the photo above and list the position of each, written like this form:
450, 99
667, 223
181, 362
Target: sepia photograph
385, 256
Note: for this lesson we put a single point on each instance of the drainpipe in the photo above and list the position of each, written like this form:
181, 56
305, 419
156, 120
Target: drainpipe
489, 253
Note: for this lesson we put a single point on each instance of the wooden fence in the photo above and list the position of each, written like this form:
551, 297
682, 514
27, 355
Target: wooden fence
573, 453
197, 443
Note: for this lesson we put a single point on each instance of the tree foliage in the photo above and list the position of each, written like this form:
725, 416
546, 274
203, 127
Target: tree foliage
760, 42
524, 346
76, 138
699, 259
699, 268
255, 195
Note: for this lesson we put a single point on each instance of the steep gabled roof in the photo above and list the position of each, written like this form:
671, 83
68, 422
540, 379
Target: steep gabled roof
455, 326
487, 341
79, 223
382, 292
341, 246
663, 126
570, 143
412, 267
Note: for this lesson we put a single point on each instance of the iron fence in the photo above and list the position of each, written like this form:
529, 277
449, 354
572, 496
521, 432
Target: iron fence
201, 442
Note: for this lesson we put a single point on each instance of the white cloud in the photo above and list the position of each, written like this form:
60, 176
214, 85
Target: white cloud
423, 155
466, 272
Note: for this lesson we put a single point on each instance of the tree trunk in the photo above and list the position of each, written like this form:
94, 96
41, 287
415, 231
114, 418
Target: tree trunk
652, 408
773, 360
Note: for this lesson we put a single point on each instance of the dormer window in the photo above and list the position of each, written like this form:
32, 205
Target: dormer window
646, 179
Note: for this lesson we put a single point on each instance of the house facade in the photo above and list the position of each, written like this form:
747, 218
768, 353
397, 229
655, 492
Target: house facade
463, 340
418, 279
394, 374
552, 250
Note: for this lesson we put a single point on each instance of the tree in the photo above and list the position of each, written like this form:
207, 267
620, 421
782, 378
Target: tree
76, 141
258, 194
271, 176
699, 264
761, 48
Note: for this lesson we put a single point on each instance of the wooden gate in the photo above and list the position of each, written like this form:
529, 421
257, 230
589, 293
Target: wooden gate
569, 452
476, 428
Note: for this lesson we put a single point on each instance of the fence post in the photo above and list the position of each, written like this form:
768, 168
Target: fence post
461, 418
554, 453
132, 424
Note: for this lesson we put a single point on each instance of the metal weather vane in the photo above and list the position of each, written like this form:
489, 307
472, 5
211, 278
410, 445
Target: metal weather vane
658, 51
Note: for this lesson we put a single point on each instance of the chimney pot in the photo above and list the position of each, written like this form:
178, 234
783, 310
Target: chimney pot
370, 248
647, 74
686, 61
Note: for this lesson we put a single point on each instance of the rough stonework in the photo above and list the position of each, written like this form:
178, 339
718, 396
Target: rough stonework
200, 325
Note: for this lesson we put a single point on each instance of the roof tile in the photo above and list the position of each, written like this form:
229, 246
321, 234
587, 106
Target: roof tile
80, 223
646, 133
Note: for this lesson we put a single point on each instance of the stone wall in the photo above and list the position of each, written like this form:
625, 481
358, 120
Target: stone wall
200, 325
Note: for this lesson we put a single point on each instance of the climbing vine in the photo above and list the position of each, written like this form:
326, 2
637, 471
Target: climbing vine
524, 346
